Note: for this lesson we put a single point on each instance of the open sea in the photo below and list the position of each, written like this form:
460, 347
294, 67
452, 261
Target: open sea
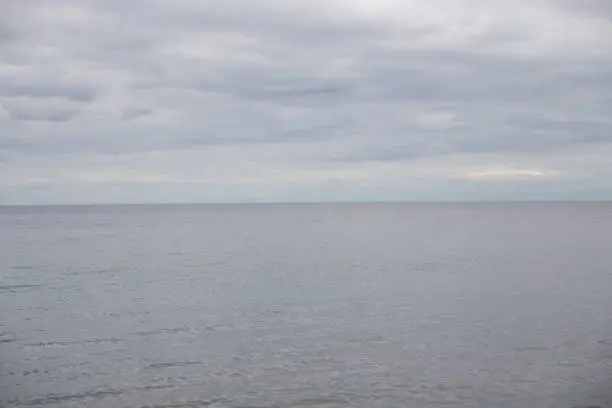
272, 306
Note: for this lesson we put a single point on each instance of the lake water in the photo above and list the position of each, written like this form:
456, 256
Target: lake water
271, 306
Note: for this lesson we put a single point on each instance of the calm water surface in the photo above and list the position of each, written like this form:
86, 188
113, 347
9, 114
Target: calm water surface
271, 306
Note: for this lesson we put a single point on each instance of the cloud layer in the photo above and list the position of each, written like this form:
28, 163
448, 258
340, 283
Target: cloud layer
305, 100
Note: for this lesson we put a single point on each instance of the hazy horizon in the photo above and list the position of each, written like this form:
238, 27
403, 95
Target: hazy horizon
305, 203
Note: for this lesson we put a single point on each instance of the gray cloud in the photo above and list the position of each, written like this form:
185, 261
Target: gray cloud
595, 8
306, 85
36, 112
133, 113
49, 116
47, 90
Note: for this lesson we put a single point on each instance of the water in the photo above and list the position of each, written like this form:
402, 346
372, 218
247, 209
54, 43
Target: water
398, 305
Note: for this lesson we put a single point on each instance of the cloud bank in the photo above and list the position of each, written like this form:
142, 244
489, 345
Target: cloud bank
108, 100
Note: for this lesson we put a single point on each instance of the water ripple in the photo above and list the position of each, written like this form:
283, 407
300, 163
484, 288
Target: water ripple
17, 288
48, 344
186, 404
157, 366
163, 331
52, 398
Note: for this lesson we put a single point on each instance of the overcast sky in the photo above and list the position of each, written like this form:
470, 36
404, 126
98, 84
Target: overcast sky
313, 100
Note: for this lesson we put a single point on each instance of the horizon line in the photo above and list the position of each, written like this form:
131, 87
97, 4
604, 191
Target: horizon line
317, 202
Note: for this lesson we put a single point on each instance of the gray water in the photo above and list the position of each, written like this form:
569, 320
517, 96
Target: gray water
394, 305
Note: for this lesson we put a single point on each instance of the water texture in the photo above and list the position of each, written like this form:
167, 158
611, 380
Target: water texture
264, 306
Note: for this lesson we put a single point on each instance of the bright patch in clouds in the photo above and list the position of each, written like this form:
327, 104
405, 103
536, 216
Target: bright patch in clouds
508, 174
154, 100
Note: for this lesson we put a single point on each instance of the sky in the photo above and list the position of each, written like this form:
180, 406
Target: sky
304, 100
